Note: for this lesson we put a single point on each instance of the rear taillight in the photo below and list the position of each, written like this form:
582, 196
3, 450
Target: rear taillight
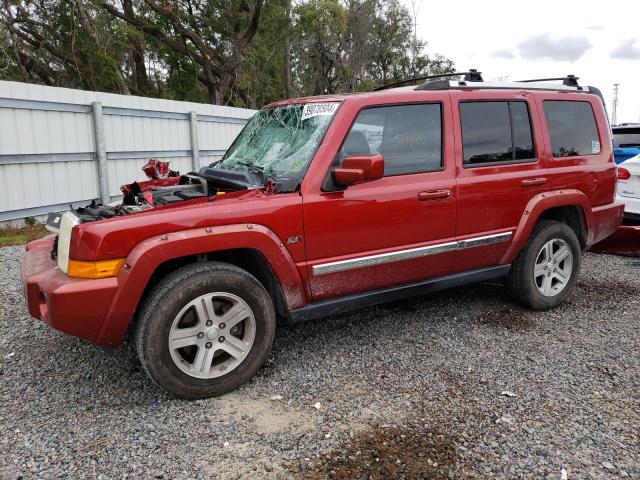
623, 174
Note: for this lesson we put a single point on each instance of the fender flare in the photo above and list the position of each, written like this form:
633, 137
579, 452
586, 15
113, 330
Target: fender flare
537, 206
149, 254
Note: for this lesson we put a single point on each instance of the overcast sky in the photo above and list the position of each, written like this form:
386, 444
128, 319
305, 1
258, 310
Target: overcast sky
519, 40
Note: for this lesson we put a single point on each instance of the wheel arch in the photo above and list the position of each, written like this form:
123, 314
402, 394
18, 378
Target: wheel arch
568, 206
248, 259
573, 216
254, 248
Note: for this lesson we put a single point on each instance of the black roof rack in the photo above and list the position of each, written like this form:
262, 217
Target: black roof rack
471, 76
569, 80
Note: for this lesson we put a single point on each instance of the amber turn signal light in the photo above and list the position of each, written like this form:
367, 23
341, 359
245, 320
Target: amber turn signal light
99, 269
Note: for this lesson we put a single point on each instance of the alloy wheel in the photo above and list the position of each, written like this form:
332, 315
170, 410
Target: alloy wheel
553, 267
212, 335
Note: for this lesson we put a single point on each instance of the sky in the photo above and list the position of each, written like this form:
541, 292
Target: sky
600, 43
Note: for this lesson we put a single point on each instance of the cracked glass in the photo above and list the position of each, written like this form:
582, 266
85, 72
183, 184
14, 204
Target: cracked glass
280, 141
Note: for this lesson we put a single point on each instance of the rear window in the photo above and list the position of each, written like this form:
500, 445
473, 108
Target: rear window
572, 128
496, 132
626, 137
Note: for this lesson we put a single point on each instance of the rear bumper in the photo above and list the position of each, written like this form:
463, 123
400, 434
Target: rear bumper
74, 306
631, 205
606, 220
625, 240
631, 208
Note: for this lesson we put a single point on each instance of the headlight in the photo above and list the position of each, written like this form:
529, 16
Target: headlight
67, 222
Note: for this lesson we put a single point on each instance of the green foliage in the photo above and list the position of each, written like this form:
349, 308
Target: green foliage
234, 52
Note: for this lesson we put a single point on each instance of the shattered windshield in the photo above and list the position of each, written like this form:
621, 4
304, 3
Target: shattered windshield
280, 141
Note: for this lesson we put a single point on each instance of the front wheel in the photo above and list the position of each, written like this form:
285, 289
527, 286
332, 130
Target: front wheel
546, 271
205, 330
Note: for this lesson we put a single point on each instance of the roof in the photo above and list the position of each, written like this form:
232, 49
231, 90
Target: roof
337, 97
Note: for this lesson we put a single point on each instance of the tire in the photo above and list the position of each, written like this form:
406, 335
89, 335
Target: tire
188, 309
535, 286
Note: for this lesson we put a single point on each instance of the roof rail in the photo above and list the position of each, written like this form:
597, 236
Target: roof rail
471, 76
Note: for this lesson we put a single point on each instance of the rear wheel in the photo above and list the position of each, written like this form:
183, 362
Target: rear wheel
546, 271
205, 330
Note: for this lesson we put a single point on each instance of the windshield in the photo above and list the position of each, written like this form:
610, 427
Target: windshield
280, 141
627, 137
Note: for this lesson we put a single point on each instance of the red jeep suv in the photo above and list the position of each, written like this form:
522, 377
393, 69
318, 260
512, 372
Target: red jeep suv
327, 204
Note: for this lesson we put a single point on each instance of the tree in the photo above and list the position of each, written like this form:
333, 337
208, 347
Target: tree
65, 43
213, 35
320, 28
357, 45
234, 52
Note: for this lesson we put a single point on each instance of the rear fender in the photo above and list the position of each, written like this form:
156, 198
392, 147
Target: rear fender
537, 206
148, 255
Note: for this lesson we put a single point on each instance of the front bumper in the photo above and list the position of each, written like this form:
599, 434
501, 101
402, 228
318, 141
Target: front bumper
75, 306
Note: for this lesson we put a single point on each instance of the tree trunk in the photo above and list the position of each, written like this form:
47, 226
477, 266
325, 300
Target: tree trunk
287, 53
139, 67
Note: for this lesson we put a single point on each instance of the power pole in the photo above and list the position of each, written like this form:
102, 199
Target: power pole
615, 103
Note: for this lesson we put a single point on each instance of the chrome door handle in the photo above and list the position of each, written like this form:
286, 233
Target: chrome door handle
434, 195
533, 182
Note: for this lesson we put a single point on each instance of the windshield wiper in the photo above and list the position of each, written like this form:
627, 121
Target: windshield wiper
259, 169
256, 168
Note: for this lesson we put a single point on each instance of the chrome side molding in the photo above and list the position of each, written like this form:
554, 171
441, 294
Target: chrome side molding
382, 258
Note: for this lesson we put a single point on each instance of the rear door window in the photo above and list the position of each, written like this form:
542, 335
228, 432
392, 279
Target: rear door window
496, 132
572, 128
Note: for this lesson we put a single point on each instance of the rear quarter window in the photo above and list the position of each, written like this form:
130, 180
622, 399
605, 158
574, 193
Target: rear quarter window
572, 128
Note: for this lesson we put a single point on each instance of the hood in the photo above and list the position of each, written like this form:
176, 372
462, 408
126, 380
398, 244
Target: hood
115, 237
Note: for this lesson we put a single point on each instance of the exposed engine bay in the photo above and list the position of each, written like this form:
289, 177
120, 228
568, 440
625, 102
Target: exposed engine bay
166, 187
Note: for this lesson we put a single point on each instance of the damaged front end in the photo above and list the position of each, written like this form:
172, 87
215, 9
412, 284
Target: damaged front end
163, 189
166, 187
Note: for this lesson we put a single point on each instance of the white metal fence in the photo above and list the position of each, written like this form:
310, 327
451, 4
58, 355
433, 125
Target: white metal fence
60, 146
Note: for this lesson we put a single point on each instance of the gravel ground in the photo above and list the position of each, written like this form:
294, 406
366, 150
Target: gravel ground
412, 389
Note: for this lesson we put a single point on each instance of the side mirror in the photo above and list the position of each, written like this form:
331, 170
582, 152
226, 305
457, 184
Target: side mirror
358, 169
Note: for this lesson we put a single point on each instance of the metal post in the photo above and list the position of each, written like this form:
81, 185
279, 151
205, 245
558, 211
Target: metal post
615, 104
195, 151
101, 153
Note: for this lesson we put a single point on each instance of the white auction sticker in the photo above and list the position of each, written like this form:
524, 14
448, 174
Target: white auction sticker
316, 109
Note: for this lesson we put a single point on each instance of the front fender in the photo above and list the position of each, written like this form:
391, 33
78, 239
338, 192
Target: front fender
537, 206
149, 254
